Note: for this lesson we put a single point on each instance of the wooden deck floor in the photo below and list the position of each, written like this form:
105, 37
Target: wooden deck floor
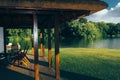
13, 72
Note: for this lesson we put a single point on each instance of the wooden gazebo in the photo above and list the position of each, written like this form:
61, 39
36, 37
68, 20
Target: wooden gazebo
33, 13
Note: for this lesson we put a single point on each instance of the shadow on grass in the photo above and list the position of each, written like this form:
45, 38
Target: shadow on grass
74, 76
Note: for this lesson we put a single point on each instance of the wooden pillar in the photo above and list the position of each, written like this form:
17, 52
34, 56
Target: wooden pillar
42, 49
41, 43
32, 42
35, 34
57, 54
49, 48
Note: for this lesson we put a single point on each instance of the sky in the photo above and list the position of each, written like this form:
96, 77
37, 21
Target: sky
110, 14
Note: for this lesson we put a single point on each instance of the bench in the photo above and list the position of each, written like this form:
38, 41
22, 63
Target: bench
20, 57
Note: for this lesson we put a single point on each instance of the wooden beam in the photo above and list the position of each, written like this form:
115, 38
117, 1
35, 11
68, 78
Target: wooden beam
57, 54
49, 48
35, 33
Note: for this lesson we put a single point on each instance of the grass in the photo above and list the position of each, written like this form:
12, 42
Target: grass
90, 64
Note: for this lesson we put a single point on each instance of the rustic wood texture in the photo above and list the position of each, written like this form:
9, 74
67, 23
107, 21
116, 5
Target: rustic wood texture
35, 33
57, 53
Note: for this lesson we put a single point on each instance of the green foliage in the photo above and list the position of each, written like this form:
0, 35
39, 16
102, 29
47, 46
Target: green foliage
82, 20
103, 28
22, 36
81, 29
76, 29
92, 32
118, 30
111, 29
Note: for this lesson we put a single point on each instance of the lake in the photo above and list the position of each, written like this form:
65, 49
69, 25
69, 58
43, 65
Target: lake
110, 43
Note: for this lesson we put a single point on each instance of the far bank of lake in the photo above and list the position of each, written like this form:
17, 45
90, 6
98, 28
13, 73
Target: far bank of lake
110, 43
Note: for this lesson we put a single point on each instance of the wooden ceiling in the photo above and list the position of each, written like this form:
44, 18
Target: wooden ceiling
23, 18
20, 12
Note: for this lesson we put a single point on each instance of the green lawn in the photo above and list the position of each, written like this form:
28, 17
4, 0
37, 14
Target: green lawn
90, 64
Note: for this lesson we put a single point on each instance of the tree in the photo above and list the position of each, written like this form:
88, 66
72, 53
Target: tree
22, 36
118, 30
111, 31
80, 29
92, 32
82, 20
103, 28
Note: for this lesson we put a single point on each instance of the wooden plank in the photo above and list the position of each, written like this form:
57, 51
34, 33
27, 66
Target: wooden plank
35, 33
57, 54
49, 48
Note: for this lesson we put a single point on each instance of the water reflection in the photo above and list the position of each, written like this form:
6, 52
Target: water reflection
111, 43
74, 43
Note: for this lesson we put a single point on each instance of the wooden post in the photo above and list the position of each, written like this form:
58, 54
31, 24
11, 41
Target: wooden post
41, 43
35, 33
43, 47
32, 43
57, 54
32, 50
42, 51
49, 48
